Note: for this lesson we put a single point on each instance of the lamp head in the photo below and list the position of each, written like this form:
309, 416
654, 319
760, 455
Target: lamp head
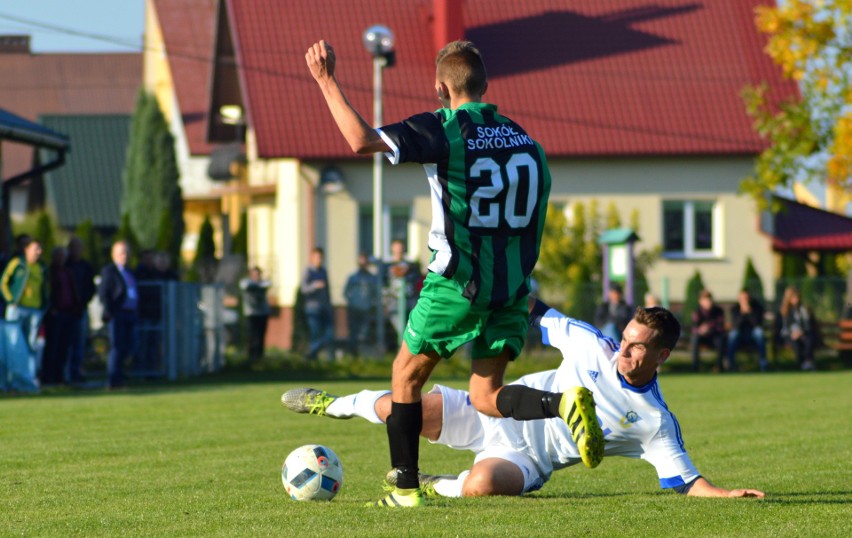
378, 40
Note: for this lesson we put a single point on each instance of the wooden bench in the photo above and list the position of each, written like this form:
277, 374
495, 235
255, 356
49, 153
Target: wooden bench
838, 335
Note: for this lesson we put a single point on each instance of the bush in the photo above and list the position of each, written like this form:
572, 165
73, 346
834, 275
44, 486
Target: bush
690, 303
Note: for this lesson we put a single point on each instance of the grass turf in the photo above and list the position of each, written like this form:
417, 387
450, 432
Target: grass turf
204, 460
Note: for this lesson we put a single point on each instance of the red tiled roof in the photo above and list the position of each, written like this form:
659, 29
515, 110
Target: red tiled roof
585, 78
32, 85
800, 227
188, 30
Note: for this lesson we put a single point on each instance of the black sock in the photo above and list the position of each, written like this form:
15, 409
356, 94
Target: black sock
525, 403
404, 425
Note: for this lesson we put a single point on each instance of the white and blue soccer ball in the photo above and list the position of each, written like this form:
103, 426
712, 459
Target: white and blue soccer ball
312, 473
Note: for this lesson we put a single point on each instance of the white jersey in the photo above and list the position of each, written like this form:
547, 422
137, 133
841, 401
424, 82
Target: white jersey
635, 420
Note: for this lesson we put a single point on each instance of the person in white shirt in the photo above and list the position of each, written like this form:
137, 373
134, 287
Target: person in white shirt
514, 457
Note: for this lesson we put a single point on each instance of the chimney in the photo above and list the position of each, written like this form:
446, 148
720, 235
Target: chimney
14, 44
449, 25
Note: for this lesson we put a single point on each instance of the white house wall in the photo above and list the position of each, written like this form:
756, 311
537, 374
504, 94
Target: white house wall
643, 185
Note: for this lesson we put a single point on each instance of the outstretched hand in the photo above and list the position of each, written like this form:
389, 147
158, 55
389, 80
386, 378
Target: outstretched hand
320, 59
746, 493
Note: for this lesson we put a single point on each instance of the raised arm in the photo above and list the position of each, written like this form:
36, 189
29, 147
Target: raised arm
703, 488
362, 138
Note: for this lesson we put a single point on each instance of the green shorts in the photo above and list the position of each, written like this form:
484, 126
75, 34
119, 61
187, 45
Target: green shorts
443, 320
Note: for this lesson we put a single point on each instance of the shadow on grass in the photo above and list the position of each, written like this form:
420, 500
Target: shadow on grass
816, 497
562, 495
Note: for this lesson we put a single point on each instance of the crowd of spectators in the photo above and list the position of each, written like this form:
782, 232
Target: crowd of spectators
45, 313
45, 310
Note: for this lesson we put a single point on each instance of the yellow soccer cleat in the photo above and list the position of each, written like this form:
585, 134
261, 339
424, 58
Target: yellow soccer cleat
577, 409
400, 498
309, 401
427, 481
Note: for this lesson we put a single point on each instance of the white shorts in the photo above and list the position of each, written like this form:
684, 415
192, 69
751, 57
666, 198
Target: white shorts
464, 429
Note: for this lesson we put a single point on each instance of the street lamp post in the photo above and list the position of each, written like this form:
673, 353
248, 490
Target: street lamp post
378, 41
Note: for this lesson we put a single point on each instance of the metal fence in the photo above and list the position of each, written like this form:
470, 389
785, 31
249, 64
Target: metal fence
180, 332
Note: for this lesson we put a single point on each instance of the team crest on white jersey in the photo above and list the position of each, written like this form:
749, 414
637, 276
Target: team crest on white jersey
629, 419
593, 374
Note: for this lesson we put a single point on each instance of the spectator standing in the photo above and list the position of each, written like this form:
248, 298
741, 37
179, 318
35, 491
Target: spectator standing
708, 329
651, 300
21, 241
24, 288
119, 295
318, 305
256, 310
798, 328
402, 278
83, 278
163, 267
746, 328
614, 314
360, 292
59, 320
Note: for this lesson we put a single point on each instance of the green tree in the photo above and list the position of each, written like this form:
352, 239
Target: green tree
204, 263
92, 243
151, 177
810, 137
239, 243
44, 234
125, 233
570, 265
793, 265
693, 286
752, 282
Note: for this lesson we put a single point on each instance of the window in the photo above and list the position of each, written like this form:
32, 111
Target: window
396, 222
691, 229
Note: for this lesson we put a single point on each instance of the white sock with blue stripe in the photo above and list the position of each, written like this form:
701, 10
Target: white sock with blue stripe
361, 404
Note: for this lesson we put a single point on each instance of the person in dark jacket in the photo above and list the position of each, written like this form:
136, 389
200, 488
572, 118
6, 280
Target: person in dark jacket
746, 328
318, 306
798, 328
256, 310
59, 321
119, 296
83, 275
613, 315
708, 328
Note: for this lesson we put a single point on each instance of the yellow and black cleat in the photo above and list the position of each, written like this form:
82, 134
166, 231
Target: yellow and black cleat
400, 498
577, 409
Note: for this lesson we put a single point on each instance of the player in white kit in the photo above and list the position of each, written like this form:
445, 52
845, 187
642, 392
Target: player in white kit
515, 457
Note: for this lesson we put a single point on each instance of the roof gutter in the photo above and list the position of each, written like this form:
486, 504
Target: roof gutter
33, 138
45, 139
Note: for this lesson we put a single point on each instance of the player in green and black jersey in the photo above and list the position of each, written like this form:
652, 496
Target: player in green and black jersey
490, 185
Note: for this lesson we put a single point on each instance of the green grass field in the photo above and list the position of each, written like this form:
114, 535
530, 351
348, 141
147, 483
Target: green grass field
203, 459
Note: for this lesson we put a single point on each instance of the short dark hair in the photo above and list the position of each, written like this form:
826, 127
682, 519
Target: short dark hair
663, 322
318, 250
459, 64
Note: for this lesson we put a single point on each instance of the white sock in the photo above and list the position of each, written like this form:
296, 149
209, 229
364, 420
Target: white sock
361, 404
450, 487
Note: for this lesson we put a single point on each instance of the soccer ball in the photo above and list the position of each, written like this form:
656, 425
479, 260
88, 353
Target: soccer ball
312, 473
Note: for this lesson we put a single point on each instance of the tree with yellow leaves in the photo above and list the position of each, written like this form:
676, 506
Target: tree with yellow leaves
810, 138
570, 263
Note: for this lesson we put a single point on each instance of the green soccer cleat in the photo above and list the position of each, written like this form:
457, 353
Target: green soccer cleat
427, 481
577, 409
310, 401
400, 498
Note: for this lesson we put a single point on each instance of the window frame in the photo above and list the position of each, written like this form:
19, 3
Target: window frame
689, 251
